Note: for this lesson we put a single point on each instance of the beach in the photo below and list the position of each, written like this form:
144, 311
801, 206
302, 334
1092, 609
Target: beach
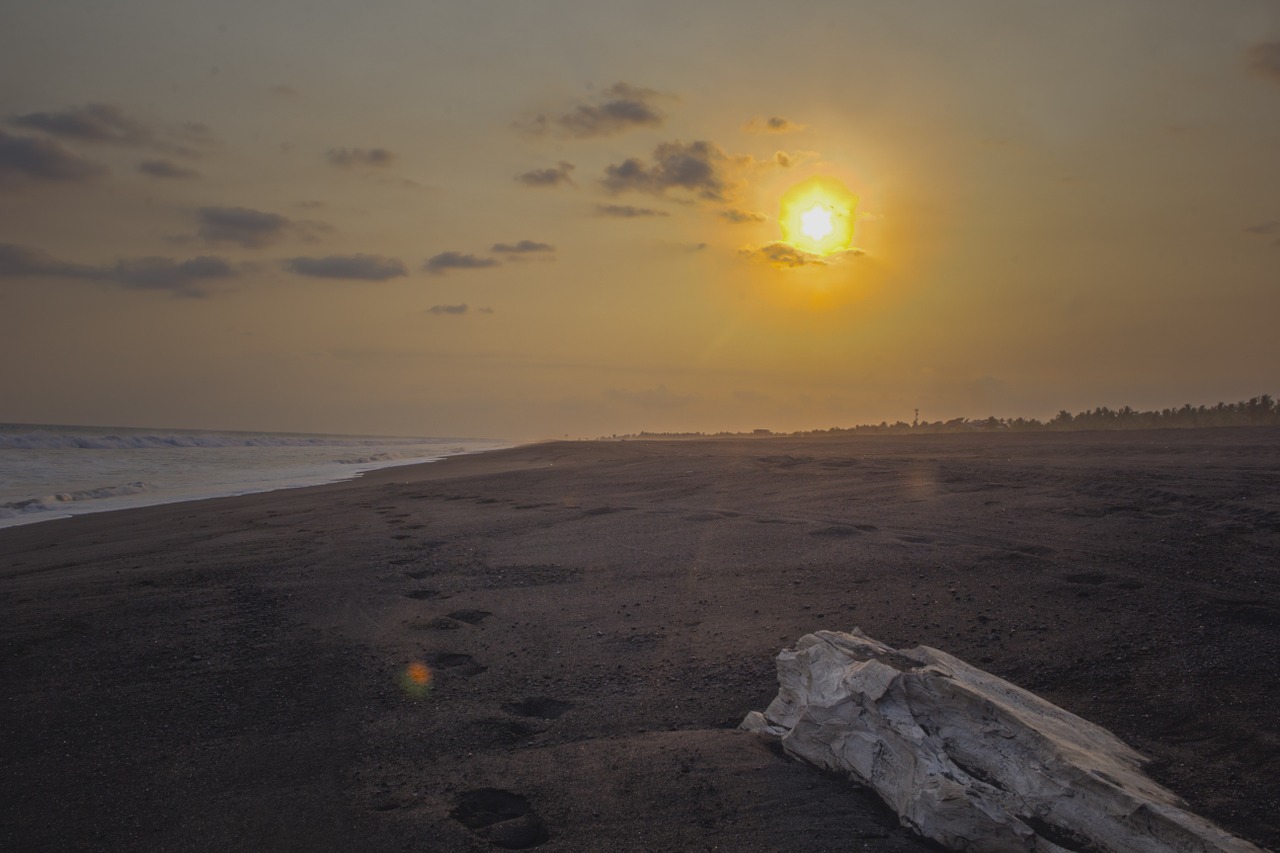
574, 630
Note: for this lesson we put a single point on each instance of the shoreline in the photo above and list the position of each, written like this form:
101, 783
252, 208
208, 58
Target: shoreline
597, 617
133, 501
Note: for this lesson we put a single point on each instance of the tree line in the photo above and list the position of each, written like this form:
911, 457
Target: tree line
1256, 411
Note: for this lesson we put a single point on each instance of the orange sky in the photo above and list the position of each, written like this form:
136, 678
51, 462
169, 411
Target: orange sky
521, 220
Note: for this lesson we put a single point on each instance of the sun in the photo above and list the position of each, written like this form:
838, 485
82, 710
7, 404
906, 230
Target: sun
817, 216
815, 223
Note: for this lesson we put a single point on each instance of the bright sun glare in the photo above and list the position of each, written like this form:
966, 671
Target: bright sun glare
817, 216
816, 222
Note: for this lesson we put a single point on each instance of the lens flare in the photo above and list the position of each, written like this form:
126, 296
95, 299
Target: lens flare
416, 679
817, 216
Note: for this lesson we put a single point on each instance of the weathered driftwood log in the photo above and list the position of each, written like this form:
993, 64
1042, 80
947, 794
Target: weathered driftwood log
968, 759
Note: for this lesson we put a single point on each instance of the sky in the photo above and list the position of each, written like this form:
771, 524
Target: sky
535, 219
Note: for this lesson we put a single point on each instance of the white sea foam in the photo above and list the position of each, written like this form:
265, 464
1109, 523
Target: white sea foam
55, 471
47, 439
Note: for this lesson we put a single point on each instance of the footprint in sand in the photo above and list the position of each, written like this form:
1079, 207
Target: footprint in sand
836, 530
456, 662
425, 594
502, 818
471, 617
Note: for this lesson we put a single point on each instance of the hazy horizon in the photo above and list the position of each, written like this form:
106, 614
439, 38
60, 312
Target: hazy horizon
530, 220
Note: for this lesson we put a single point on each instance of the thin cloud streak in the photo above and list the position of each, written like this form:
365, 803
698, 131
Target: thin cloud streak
445, 261
359, 267
178, 278
28, 159
551, 176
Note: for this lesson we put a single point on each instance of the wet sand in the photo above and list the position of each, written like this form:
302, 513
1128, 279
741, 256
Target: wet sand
599, 616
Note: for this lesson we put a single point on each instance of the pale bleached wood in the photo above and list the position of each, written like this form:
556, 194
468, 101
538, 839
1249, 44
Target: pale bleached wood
970, 760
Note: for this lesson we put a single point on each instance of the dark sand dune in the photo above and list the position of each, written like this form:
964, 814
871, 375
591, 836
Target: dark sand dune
598, 617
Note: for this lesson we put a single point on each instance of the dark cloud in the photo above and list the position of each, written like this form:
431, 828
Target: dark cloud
773, 124
106, 123
26, 159
695, 167
1264, 59
362, 267
740, 217
1266, 229
522, 248
241, 226
447, 309
626, 211
552, 176
348, 157
445, 261
22, 261
179, 278
90, 123
166, 169
786, 256
619, 108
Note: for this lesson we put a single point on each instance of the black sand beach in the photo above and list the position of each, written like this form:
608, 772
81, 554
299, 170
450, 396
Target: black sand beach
599, 616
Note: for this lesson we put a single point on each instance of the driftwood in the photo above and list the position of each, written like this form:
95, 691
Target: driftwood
968, 759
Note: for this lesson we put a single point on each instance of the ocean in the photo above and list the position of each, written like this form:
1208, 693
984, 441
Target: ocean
57, 471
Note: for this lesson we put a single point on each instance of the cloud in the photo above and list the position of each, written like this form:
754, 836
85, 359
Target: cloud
21, 261
773, 124
626, 211
524, 247
241, 226
1264, 59
285, 91
108, 124
90, 123
361, 267
785, 256
179, 278
1266, 229
619, 108
447, 309
445, 261
696, 167
740, 217
165, 169
348, 157
552, 176
26, 159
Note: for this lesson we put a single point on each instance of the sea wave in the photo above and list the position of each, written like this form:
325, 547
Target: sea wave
49, 440
383, 456
51, 503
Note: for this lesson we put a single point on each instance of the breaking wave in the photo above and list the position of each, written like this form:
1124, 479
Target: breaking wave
49, 440
51, 503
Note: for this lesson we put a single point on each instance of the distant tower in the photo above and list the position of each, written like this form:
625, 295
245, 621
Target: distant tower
916, 422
